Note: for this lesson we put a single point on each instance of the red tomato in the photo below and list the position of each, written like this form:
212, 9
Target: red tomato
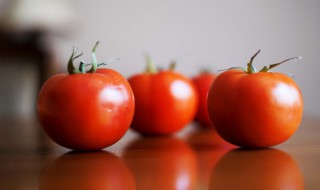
166, 102
255, 109
202, 83
86, 111
87, 171
160, 163
262, 169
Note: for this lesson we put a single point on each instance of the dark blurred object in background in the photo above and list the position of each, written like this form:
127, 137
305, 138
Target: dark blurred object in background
28, 57
23, 52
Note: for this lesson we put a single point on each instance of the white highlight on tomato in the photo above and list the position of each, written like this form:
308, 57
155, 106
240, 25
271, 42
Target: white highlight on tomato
180, 89
183, 181
286, 94
113, 95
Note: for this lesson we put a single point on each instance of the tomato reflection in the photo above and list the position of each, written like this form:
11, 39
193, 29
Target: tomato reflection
161, 163
87, 171
209, 148
263, 169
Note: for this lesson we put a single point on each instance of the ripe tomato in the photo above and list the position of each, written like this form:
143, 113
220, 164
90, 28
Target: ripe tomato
86, 111
166, 101
86, 171
255, 109
202, 83
162, 163
263, 169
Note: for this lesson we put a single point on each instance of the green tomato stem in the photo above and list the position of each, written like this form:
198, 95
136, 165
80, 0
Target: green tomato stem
71, 67
151, 68
172, 66
94, 62
266, 69
82, 67
250, 68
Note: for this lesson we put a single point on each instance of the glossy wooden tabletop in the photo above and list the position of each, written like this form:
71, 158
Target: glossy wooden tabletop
192, 159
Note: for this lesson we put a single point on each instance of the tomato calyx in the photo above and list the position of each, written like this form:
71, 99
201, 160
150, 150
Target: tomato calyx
205, 71
82, 66
172, 66
151, 67
266, 69
251, 69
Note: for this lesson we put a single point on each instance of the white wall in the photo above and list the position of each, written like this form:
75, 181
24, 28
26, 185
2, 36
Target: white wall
207, 33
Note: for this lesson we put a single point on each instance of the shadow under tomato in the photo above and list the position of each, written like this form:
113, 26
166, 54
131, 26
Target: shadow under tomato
161, 163
207, 138
87, 171
202, 125
262, 169
209, 148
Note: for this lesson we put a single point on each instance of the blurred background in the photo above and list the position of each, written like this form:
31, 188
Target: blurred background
37, 37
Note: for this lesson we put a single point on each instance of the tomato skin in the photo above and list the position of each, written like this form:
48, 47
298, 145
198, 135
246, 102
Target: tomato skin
165, 102
86, 111
202, 83
255, 110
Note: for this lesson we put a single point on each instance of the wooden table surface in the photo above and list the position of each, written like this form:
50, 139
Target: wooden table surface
192, 159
